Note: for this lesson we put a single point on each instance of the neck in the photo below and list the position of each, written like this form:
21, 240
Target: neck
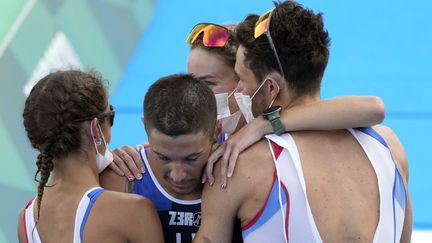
78, 172
289, 102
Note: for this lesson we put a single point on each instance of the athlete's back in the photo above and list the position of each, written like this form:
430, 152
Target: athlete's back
341, 185
329, 190
350, 182
108, 219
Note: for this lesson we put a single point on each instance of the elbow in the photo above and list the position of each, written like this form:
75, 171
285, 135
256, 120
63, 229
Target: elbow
378, 109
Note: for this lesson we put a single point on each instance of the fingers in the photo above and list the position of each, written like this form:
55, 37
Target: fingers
131, 157
118, 161
209, 172
116, 169
126, 159
232, 161
204, 176
224, 163
211, 161
135, 155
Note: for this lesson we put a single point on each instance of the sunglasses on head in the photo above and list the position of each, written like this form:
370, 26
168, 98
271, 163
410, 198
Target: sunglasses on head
211, 35
262, 26
110, 114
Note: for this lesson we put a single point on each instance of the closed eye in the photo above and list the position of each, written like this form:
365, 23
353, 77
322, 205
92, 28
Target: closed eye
209, 83
192, 159
161, 156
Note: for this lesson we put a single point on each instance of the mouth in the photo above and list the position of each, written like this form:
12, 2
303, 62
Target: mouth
180, 186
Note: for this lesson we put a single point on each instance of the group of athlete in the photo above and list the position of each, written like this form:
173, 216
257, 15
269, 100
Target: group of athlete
240, 149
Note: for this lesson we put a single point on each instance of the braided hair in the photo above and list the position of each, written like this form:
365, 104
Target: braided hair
50, 111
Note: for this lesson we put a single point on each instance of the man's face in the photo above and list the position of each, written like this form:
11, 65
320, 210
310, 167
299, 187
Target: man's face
248, 84
178, 162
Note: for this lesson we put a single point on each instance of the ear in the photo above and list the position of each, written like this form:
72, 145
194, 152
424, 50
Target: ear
142, 120
276, 84
218, 131
94, 128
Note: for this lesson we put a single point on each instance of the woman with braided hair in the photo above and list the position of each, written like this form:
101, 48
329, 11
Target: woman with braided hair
68, 120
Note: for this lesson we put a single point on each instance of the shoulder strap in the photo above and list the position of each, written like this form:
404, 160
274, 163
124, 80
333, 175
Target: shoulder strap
31, 233
83, 211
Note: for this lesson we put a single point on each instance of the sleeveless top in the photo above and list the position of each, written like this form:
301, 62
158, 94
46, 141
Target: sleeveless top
84, 207
180, 219
287, 217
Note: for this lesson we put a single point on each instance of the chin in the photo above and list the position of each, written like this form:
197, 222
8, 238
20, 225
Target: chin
187, 190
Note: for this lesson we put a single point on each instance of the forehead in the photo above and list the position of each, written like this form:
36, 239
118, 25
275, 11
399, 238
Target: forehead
203, 62
178, 146
210, 66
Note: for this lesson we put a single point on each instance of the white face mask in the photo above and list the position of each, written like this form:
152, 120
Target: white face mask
102, 161
245, 103
222, 106
229, 121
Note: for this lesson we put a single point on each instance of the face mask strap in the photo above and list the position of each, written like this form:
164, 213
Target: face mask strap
102, 135
234, 90
256, 91
271, 103
91, 131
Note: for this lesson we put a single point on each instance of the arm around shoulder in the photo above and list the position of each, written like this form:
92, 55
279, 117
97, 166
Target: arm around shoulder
336, 113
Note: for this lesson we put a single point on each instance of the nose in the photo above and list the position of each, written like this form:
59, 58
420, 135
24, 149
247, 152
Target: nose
178, 173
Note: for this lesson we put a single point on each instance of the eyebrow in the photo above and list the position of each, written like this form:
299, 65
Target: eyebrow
190, 155
208, 78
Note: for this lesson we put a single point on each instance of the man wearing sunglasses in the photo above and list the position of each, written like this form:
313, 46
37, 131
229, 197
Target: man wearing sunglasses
307, 186
211, 59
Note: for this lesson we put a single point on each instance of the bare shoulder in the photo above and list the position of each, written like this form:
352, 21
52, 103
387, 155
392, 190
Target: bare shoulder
252, 167
251, 163
132, 210
128, 201
111, 181
396, 148
255, 158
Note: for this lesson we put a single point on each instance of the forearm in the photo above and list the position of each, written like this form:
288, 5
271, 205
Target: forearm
336, 113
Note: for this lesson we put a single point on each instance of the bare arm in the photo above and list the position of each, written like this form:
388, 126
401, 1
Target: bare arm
336, 113
20, 229
399, 155
218, 210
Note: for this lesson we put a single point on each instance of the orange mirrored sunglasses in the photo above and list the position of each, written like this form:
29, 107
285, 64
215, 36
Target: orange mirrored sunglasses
213, 35
262, 26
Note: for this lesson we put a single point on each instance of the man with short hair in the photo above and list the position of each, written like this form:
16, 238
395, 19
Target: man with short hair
180, 142
307, 186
